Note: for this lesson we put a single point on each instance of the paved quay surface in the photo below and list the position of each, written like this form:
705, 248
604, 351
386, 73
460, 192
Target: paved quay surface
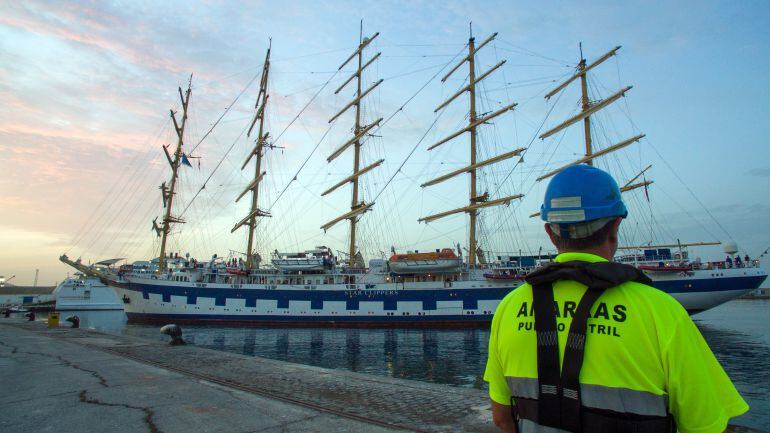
62, 380
71, 380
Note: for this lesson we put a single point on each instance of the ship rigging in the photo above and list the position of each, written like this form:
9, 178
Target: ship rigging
413, 288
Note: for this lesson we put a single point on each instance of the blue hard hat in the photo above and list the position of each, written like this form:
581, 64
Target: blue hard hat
582, 193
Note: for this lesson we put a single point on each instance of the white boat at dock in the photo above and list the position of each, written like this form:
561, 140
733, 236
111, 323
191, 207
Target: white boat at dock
87, 292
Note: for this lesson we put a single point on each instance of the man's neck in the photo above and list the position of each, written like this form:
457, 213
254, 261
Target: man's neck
603, 251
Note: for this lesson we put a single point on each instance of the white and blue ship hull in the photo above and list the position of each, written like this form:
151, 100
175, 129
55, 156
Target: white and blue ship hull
430, 303
83, 293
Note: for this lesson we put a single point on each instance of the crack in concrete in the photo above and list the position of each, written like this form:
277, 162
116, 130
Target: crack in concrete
102, 380
37, 397
148, 413
14, 348
68, 363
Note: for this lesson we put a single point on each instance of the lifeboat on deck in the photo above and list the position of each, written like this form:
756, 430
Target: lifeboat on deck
318, 259
237, 271
444, 260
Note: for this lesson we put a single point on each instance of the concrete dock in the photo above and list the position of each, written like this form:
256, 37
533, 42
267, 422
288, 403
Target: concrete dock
61, 380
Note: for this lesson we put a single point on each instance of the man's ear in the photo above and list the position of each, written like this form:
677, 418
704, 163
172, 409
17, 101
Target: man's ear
613, 234
550, 234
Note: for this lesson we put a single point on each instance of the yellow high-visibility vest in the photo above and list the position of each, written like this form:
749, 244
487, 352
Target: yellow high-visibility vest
643, 355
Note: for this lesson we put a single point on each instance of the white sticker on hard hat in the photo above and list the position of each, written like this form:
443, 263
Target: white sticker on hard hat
556, 216
562, 202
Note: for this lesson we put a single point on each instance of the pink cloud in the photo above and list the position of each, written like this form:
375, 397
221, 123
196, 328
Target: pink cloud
92, 28
72, 132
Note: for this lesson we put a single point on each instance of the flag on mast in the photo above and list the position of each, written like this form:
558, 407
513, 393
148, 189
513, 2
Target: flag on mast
186, 161
646, 192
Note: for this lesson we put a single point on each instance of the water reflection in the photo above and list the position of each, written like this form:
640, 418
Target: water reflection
738, 333
249, 343
352, 349
111, 321
282, 345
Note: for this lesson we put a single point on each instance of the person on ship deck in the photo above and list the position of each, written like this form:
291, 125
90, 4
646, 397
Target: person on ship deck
588, 345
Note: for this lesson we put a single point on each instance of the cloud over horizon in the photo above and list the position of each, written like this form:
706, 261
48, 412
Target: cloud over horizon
760, 172
85, 90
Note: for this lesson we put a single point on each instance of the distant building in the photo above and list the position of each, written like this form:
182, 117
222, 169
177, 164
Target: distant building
19, 295
759, 293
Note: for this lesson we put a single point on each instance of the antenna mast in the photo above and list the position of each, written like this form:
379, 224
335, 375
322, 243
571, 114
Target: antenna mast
356, 208
475, 201
168, 192
258, 151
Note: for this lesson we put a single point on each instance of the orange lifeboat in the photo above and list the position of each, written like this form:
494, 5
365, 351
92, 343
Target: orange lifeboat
444, 260
237, 271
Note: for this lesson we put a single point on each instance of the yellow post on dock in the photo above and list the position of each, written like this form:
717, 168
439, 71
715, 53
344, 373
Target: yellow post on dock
53, 320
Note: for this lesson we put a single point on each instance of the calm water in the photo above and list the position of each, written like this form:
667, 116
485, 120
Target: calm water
738, 333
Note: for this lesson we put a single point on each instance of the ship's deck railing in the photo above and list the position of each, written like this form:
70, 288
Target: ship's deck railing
675, 261
203, 272
650, 259
723, 264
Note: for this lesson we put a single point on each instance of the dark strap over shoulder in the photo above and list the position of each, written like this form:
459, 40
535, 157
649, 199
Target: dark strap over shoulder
548, 371
601, 275
559, 402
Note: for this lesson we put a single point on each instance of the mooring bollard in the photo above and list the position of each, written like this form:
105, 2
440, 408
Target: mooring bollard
175, 332
30, 316
75, 320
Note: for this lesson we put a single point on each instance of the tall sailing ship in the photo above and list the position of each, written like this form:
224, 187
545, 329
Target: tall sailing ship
445, 287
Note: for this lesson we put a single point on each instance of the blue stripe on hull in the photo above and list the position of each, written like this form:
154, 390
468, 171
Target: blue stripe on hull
448, 321
352, 298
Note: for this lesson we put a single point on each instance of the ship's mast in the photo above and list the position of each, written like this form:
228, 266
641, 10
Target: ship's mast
585, 104
258, 152
356, 153
168, 192
472, 120
587, 110
359, 131
476, 201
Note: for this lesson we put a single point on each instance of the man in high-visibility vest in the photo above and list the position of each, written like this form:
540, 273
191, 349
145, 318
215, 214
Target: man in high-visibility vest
587, 345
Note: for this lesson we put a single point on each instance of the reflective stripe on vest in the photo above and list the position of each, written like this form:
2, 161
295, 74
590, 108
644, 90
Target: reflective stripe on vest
619, 400
599, 423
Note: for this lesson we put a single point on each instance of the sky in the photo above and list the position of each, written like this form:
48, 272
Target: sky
85, 89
